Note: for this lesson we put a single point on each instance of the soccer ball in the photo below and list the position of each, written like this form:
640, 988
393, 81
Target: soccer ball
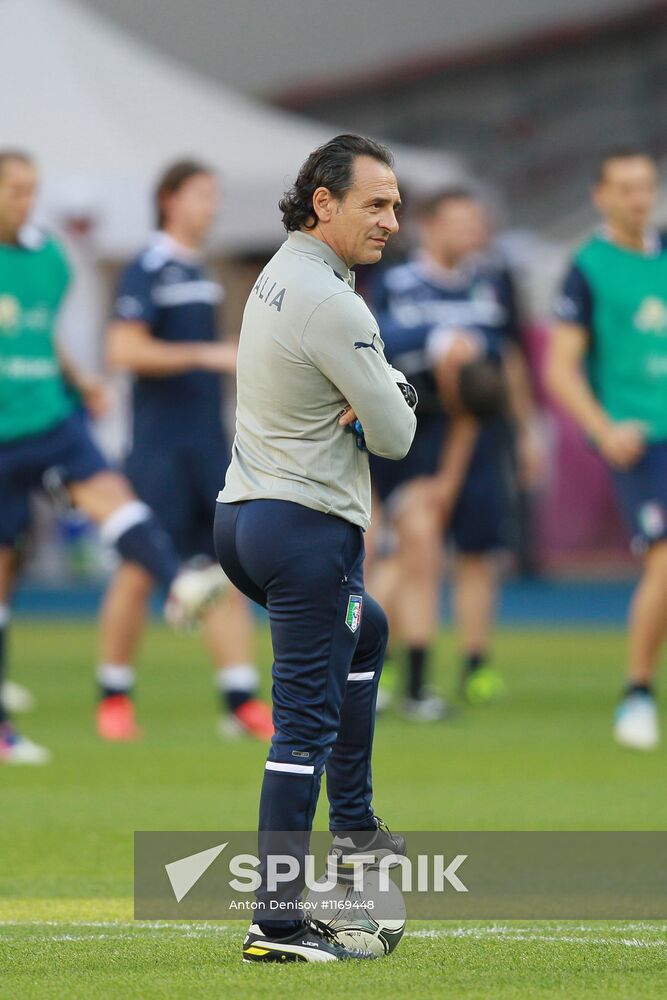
370, 919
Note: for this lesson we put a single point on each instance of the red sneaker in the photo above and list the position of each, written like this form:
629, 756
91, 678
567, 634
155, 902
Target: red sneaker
116, 720
255, 718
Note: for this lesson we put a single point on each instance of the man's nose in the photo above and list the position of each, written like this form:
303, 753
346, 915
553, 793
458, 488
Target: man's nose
390, 222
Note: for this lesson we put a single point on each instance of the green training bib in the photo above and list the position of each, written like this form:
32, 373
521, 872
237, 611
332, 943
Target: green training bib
628, 356
33, 395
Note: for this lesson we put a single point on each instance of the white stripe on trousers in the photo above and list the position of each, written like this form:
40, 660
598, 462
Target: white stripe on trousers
271, 765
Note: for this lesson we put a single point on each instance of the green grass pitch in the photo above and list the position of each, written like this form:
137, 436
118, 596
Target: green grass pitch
541, 759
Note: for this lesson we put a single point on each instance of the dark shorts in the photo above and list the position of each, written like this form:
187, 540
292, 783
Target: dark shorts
642, 495
482, 518
66, 452
180, 483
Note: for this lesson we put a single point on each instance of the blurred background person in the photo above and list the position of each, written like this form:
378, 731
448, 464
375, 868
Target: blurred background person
445, 308
608, 369
165, 334
44, 438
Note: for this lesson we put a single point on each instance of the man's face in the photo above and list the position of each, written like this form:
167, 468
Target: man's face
18, 189
360, 223
627, 192
193, 208
457, 228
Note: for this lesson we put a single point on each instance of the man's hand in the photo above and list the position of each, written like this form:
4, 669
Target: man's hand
95, 395
348, 416
217, 357
622, 444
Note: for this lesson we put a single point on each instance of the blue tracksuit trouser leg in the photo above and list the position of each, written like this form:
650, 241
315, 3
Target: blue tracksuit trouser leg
329, 639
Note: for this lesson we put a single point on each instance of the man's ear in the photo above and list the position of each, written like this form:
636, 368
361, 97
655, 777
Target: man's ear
323, 204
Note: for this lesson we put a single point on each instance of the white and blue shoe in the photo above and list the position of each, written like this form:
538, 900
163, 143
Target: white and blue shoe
18, 749
636, 722
16, 699
311, 942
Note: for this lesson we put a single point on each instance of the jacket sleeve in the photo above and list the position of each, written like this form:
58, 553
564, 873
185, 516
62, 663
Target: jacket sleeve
342, 340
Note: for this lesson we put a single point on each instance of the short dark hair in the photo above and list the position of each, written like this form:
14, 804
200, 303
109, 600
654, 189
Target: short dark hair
427, 206
14, 155
620, 153
328, 166
172, 180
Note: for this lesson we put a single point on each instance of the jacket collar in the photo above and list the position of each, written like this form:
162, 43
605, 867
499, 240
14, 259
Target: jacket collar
304, 243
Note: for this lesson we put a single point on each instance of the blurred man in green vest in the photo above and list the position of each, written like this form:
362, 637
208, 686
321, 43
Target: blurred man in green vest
608, 369
44, 436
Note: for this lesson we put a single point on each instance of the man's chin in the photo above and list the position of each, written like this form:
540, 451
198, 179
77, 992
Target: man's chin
373, 255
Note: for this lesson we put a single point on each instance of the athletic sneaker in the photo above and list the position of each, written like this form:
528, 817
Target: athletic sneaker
636, 722
191, 594
313, 942
116, 719
379, 843
482, 685
17, 749
252, 718
428, 708
16, 698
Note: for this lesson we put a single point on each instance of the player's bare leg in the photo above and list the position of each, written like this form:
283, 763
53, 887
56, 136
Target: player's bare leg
416, 607
636, 724
14, 748
475, 594
228, 634
229, 637
382, 570
122, 622
129, 525
648, 617
123, 615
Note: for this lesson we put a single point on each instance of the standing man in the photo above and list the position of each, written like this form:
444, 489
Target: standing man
290, 520
165, 333
43, 431
444, 308
608, 369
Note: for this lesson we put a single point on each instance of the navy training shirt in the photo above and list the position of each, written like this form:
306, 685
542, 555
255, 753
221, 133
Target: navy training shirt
412, 300
169, 289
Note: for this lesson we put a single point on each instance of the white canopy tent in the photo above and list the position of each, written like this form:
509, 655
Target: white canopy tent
103, 114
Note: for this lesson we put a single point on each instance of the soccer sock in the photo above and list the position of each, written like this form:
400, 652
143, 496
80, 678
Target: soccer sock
137, 537
416, 671
114, 678
473, 661
4, 622
632, 688
236, 685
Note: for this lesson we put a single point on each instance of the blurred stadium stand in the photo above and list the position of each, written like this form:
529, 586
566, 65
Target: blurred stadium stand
529, 93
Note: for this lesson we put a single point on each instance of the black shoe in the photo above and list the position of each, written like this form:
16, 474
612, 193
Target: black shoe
313, 942
380, 843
